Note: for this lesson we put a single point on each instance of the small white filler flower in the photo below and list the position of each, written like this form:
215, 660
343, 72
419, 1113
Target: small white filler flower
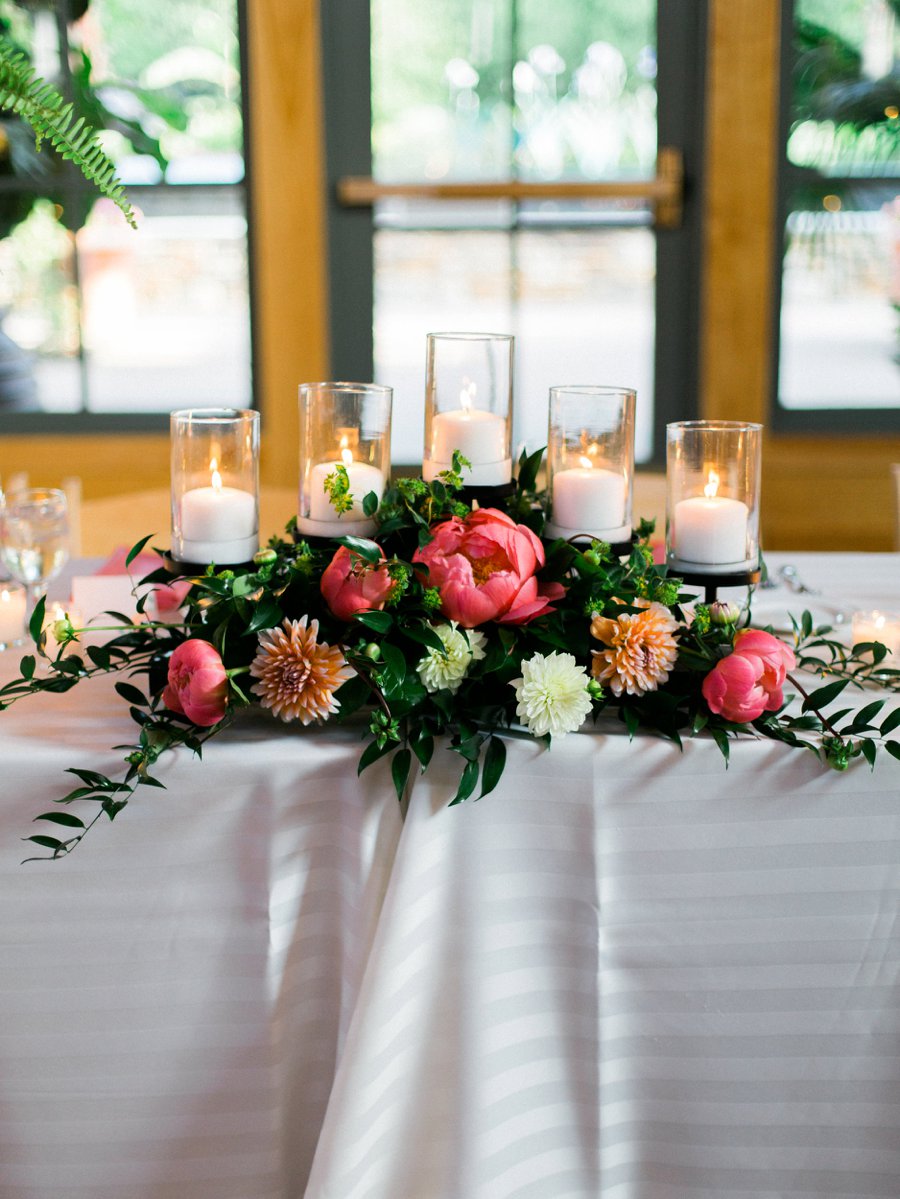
445, 672
553, 694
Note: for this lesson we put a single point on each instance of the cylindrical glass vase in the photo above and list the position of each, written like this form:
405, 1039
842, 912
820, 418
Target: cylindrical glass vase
345, 456
590, 462
712, 505
468, 406
215, 485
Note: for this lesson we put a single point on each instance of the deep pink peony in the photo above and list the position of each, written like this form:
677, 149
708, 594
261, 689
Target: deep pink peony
350, 584
484, 568
198, 684
748, 682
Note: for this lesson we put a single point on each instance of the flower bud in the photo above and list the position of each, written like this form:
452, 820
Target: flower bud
723, 612
373, 651
264, 557
63, 630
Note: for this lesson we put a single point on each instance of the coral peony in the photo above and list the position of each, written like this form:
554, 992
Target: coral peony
297, 673
484, 569
351, 584
640, 648
748, 682
198, 685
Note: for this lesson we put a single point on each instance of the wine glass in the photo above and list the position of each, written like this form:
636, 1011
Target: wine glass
34, 537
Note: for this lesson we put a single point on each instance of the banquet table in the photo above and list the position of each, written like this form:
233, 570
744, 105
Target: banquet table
629, 972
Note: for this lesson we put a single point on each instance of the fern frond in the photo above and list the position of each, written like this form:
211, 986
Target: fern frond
37, 102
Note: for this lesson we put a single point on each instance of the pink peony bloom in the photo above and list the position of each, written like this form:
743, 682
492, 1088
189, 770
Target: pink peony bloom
351, 584
198, 684
484, 568
748, 682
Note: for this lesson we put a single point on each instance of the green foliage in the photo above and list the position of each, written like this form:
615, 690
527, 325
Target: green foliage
26, 95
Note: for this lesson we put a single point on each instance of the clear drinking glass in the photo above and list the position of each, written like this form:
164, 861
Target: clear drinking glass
34, 538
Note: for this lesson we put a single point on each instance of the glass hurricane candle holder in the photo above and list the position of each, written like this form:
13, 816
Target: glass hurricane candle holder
468, 406
878, 626
215, 485
13, 614
712, 503
590, 462
345, 456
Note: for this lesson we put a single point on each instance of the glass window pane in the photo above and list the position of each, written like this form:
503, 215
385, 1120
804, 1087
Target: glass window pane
845, 112
169, 72
584, 89
840, 309
494, 89
39, 346
165, 311
428, 282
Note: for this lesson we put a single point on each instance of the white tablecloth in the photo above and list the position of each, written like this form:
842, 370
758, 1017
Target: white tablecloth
628, 973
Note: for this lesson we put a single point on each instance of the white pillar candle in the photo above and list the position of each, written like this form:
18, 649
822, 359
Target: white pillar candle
362, 478
879, 626
12, 614
218, 524
479, 436
710, 531
589, 499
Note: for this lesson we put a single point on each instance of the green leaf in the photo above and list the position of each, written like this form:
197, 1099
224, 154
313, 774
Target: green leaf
370, 503
529, 465
721, 739
893, 748
494, 762
394, 668
890, 722
372, 753
869, 750
370, 551
36, 624
380, 622
467, 783
99, 655
26, 666
400, 771
632, 721
268, 614
136, 549
131, 694
824, 695
66, 818
46, 842
424, 634
422, 744
862, 719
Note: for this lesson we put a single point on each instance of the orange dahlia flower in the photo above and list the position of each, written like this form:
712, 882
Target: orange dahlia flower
297, 674
640, 648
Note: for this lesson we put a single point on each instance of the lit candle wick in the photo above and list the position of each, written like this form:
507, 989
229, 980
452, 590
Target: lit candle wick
586, 463
467, 399
712, 487
347, 456
216, 481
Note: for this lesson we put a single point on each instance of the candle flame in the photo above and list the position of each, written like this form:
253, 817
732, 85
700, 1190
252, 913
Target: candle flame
880, 621
4, 596
467, 397
216, 480
586, 463
712, 486
344, 442
213, 464
347, 456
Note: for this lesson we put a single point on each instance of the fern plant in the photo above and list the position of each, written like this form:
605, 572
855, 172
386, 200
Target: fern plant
25, 94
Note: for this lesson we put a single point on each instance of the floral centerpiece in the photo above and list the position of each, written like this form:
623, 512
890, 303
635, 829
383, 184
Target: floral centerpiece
450, 622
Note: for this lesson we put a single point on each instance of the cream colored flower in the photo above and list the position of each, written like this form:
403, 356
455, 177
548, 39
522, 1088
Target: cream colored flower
552, 694
446, 671
298, 675
640, 648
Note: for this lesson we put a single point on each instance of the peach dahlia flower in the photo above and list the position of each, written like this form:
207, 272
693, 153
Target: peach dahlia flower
297, 674
640, 648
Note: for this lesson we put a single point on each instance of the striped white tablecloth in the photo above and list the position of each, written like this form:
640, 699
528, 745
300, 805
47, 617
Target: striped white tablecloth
628, 973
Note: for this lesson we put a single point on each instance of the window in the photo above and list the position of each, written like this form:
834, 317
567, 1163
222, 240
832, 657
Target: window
105, 327
489, 91
839, 361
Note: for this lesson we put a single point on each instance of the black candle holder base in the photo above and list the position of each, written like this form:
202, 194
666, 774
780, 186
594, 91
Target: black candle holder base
175, 567
618, 549
487, 496
712, 582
